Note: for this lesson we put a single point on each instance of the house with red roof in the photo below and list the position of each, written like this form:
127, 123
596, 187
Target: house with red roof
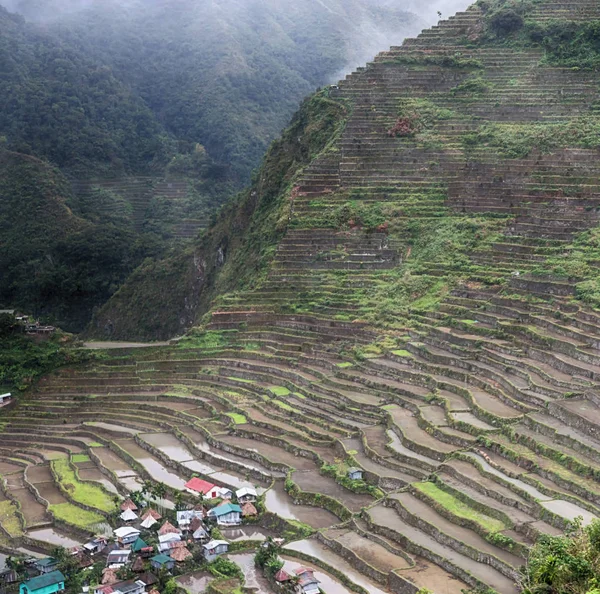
197, 486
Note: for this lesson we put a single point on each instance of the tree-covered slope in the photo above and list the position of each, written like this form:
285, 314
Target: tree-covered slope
228, 74
60, 104
53, 262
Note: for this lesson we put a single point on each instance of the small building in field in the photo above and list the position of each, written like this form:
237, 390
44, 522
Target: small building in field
307, 582
246, 494
46, 583
282, 577
46, 565
181, 554
214, 548
130, 587
159, 562
198, 530
202, 488
228, 514
225, 493
355, 474
126, 535
5, 398
142, 548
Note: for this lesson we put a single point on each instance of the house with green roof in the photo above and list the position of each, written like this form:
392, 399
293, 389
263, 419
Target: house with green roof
160, 561
227, 514
144, 549
47, 583
46, 565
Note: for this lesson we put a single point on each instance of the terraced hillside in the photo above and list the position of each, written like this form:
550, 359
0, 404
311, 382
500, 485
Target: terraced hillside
420, 321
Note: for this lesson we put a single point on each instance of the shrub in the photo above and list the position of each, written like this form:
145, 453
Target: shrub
506, 21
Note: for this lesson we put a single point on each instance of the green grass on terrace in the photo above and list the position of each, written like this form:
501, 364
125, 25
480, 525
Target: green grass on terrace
75, 515
237, 418
9, 519
82, 492
75, 458
285, 406
279, 391
458, 508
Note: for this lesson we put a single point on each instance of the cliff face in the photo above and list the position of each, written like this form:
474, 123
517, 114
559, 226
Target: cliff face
470, 153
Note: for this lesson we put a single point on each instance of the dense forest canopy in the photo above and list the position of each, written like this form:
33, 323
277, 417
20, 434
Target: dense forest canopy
225, 74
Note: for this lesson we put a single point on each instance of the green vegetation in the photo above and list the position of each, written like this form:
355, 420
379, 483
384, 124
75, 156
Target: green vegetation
75, 458
285, 406
514, 141
9, 519
23, 360
82, 518
237, 418
82, 492
458, 508
279, 391
565, 564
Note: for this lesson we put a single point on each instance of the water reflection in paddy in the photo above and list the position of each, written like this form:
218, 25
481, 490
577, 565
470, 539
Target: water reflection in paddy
57, 539
280, 503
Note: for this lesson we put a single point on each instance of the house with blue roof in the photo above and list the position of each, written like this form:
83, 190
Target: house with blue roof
227, 514
47, 583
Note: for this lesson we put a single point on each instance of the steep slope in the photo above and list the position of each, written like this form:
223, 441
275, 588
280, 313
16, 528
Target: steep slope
399, 308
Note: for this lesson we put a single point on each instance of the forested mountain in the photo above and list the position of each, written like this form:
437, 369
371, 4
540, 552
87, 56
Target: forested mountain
225, 74
155, 112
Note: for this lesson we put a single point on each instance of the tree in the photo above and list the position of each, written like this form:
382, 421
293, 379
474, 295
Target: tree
568, 564
179, 502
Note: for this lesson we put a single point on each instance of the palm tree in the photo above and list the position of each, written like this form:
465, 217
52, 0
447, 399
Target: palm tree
160, 491
147, 487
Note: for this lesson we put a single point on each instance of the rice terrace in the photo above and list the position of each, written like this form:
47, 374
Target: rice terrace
391, 383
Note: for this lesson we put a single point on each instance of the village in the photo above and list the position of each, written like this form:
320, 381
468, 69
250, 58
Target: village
148, 549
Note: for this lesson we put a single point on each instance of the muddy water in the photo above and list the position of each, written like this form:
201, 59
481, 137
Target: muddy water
115, 428
156, 470
169, 445
253, 578
280, 503
320, 551
201, 444
568, 510
195, 583
93, 474
55, 538
234, 480
563, 508
399, 447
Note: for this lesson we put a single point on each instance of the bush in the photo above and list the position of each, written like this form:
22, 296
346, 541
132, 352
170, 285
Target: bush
505, 22
226, 568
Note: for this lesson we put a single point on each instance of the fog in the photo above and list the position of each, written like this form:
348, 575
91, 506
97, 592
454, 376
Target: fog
370, 26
